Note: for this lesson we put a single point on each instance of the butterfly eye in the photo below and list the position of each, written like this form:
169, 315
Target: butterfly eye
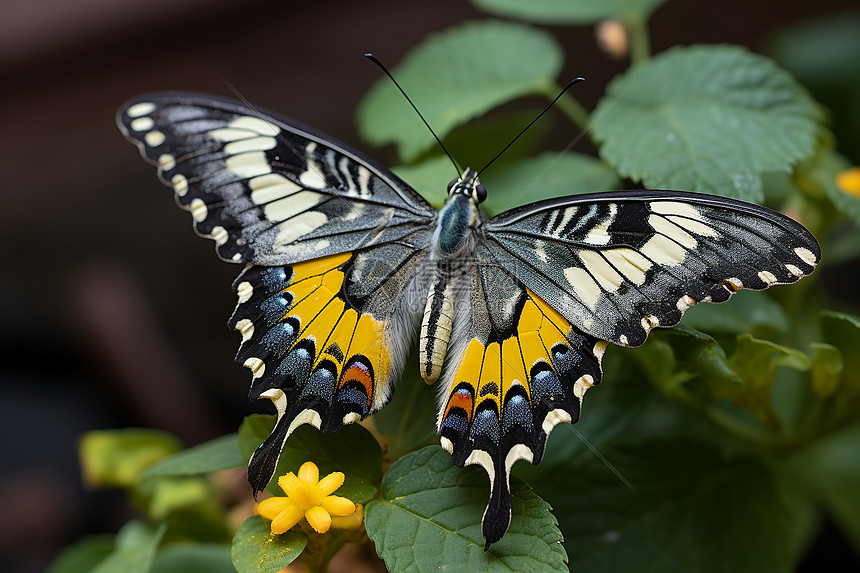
451, 185
480, 192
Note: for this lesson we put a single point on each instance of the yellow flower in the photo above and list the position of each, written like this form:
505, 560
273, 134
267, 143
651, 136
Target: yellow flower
849, 181
308, 497
351, 521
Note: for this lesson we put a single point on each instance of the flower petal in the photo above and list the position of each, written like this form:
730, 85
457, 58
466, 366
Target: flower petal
309, 473
351, 521
331, 482
289, 483
319, 519
287, 519
337, 505
271, 507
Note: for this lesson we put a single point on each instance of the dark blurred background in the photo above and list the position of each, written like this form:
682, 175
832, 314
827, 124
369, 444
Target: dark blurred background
111, 312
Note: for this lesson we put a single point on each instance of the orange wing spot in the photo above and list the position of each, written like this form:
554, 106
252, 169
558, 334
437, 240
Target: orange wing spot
462, 398
468, 372
368, 341
358, 372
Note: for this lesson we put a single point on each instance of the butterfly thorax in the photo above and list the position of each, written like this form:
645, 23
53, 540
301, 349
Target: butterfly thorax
454, 239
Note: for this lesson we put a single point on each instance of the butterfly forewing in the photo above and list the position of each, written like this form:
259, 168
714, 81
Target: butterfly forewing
267, 189
618, 264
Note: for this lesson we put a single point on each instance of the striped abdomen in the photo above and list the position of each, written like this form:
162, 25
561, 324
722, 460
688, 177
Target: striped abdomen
436, 327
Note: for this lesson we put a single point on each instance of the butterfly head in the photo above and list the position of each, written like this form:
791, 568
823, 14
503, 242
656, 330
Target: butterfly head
469, 185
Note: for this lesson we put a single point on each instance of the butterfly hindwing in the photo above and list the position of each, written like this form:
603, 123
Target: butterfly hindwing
516, 369
618, 264
267, 189
326, 340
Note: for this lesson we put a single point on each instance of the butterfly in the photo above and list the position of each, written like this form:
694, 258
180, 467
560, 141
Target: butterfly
345, 264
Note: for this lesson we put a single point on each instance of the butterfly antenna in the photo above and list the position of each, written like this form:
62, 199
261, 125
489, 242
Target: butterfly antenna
381, 66
569, 85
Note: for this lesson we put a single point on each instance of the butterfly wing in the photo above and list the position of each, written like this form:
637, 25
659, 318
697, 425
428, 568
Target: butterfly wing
267, 189
618, 264
553, 281
517, 368
327, 339
334, 245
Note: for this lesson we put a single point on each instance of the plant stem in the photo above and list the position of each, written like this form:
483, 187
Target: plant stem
570, 107
725, 421
637, 33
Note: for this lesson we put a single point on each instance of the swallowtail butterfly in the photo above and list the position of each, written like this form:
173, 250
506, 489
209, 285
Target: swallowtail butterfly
344, 263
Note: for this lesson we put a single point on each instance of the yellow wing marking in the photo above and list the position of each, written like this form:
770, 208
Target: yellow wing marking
312, 275
315, 287
539, 328
490, 374
368, 340
513, 369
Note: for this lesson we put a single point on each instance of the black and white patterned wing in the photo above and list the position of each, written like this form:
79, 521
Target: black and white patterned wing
334, 245
618, 264
267, 189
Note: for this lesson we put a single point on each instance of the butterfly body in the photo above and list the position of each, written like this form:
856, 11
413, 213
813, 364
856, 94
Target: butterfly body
345, 264
454, 239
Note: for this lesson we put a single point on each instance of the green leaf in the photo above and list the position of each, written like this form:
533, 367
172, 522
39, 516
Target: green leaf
118, 457
827, 367
750, 312
409, 420
455, 76
252, 431
613, 409
477, 142
429, 519
256, 550
169, 494
570, 12
693, 510
135, 549
706, 118
757, 360
550, 174
351, 450
833, 469
843, 331
83, 556
218, 454
430, 178
194, 558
